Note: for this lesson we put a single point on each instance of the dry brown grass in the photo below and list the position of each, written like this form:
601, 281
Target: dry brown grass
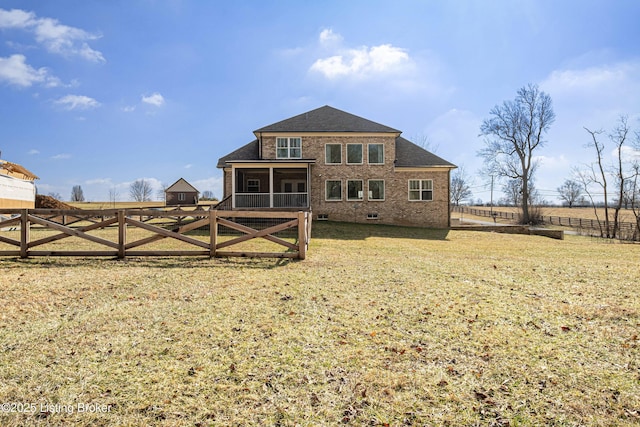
378, 326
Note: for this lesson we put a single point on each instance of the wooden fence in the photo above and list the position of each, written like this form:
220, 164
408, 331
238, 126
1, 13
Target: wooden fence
627, 230
236, 227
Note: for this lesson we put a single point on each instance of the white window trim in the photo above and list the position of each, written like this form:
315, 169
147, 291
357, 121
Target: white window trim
325, 154
368, 160
326, 199
289, 148
256, 183
361, 154
384, 186
420, 190
361, 186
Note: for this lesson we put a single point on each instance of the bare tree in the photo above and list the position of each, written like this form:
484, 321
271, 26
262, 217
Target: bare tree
512, 190
162, 195
635, 193
207, 195
619, 138
113, 196
598, 174
595, 175
56, 196
140, 191
77, 194
423, 140
570, 192
513, 133
460, 186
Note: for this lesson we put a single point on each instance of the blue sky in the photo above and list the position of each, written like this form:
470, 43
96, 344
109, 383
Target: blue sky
102, 93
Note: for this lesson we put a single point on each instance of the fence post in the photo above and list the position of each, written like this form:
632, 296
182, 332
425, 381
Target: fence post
213, 232
122, 233
302, 235
25, 226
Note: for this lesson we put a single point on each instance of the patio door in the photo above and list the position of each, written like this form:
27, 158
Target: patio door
293, 186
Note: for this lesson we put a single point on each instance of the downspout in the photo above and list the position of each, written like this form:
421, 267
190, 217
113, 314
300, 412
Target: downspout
449, 199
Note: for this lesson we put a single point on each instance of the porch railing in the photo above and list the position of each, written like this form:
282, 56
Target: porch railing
280, 200
290, 200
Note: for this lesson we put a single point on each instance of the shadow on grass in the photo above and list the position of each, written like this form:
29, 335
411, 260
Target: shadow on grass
146, 262
351, 231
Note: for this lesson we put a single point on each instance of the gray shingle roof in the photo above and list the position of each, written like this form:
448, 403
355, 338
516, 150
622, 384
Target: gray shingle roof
326, 119
329, 119
250, 151
409, 154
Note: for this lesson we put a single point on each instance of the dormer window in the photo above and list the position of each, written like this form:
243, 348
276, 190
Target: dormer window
289, 148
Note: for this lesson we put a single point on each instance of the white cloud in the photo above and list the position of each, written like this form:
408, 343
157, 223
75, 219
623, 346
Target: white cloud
15, 71
98, 181
189, 166
629, 154
588, 79
61, 156
129, 108
608, 89
363, 62
214, 184
77, 102
329, 38
16, 18
55, 37
360, 62
154, 99
33, 152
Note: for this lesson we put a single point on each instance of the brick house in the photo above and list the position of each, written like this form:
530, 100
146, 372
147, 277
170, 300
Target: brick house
181, 193
341, 167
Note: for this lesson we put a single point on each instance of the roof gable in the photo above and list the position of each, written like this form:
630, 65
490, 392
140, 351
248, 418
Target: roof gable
326, 119
181, 185
15, 170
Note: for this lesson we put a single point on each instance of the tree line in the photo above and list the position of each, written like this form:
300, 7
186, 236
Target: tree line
513, 134
140, 191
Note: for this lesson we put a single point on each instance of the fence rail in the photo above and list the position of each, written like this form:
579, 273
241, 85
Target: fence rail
627, 230
247, 224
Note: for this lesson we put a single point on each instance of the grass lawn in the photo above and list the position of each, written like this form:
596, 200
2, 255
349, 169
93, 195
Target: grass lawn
378, 326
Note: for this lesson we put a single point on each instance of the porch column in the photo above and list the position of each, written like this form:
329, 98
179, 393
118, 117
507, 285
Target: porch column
233, 187
309, 186
271, 186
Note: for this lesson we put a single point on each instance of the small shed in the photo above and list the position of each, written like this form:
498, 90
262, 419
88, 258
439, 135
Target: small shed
181, 193
17, 187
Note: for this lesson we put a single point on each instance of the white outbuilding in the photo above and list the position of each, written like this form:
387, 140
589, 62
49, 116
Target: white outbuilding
17, 186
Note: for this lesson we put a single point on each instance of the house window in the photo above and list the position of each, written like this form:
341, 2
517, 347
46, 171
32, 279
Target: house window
288, 148
376, 154
253, 186
182, 197
333, 190
420, 189
373, 215
354, 190
354, 154
333, 154
376, 189
323, 217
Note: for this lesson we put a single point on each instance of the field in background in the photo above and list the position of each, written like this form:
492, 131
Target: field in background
128, 205
378, 326
585, 213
